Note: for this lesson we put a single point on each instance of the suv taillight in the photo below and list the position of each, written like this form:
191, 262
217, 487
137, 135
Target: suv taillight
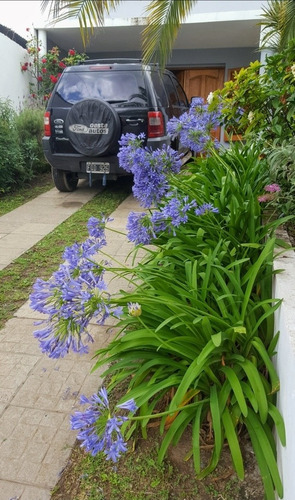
47, 128
155, 124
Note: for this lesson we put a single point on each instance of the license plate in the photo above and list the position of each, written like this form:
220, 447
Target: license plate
97, 167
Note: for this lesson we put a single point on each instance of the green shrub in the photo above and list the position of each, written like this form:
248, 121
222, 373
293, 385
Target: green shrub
29, 125
12, 171
282, 171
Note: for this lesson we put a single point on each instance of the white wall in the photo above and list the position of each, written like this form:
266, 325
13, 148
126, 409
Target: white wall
285, 364
14, 84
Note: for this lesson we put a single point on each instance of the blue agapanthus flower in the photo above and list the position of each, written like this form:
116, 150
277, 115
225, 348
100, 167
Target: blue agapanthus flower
194, 128
206, 208
139, 228
150, 168
99, 431
74, 294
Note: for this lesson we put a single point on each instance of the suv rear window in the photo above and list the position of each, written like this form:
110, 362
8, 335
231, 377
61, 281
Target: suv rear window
109, 86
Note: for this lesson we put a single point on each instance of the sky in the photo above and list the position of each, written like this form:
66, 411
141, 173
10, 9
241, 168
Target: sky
19, 15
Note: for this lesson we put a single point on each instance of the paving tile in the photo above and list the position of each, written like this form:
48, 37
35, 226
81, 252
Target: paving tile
38, 228
10, 490
12, 448
35, 452
48, 475
14, 241
31, 493
9, 469
28, 472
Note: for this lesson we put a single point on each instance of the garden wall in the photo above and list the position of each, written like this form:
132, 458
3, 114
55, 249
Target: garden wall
285, 363
14, 84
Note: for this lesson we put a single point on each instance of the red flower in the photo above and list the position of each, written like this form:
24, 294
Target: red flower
26, 64
44, 60
44, 70
58, 75
27, 29
53, 78
39, 49
24, 67
71, 52
62, 65
39, 78
34, 96
54, 61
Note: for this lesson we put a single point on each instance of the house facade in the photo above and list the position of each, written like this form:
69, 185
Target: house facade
217, 38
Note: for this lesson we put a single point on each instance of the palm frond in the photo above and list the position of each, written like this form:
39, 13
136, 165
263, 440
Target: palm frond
164, 18
278, 24
90, 13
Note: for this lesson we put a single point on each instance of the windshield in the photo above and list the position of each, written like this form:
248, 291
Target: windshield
111, 86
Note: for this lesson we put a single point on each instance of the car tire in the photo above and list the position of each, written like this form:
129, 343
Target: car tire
93, 127
64, 181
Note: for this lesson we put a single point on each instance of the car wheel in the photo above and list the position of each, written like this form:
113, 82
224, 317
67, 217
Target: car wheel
64, 181
93, 127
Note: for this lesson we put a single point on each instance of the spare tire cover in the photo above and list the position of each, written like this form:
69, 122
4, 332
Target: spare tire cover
93, 127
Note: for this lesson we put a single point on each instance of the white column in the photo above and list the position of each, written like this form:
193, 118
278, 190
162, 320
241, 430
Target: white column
42, 41
265, 51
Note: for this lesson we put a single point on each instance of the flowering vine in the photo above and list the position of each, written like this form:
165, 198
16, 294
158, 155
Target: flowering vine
46, 69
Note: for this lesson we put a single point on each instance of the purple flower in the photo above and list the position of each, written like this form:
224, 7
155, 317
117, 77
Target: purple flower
96, 227
150, 168
73, 295
99, 431
194, 127
206, 208
139, 228
128, 405
272, 188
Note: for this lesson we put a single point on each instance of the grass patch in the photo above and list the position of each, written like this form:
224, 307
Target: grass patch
15, 199
17, 279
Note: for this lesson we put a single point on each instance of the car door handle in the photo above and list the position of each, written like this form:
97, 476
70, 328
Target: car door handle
134, 120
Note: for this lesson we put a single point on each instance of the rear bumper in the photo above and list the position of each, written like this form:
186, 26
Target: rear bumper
77, 162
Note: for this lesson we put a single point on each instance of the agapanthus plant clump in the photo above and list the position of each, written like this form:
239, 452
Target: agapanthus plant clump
154, 186
99, 429
195, 342
74, 295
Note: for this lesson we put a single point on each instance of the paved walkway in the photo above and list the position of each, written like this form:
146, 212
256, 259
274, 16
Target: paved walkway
37, 394
24, 227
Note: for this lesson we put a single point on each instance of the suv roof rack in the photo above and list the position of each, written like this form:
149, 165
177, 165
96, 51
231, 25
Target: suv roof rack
111, 60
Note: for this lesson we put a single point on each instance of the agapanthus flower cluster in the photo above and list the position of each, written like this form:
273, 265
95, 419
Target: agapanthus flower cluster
150, 168
73, 295
194, 128
99, 431
143, 228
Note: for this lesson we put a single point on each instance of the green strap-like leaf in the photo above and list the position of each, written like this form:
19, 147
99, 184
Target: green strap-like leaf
237, 388
233, 442
279, 422
182, 420
275, 381
258, 388
270, 459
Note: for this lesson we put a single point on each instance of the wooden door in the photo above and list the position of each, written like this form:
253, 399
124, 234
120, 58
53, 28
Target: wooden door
199, 82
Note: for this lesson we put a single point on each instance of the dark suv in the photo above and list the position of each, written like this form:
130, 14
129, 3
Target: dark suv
97, 101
